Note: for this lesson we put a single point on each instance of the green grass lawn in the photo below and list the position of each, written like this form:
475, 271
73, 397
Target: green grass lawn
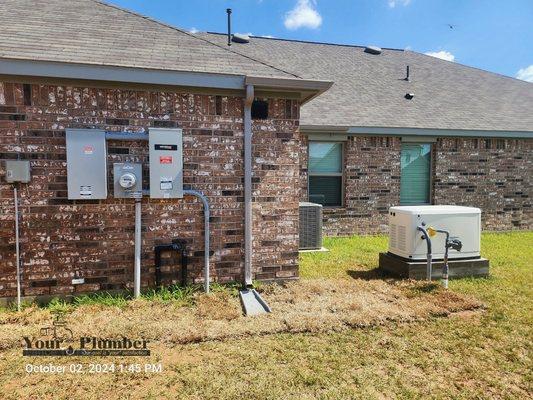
485, 356
481, 354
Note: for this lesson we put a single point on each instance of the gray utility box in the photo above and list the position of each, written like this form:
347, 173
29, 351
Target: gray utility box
166, 163
86, 164
17, 171
127, 180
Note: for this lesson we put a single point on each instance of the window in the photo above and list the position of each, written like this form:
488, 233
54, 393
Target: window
325, 173
415, 173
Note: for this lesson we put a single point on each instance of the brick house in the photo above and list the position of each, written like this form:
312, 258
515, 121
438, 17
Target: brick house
126, 73
464, 137
358, 147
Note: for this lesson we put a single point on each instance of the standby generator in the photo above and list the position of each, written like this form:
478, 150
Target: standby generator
452, 231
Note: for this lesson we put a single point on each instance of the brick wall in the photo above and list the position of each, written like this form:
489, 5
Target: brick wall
493, 174
63, 239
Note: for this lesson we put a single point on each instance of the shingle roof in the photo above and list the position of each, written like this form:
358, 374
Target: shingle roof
93, 32
369, 90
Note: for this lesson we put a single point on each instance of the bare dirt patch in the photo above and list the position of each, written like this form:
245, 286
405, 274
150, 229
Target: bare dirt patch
316, 306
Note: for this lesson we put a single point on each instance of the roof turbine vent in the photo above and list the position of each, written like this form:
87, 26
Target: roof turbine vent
240, 38
373, 50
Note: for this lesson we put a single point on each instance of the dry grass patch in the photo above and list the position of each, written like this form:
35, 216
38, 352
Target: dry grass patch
315, 306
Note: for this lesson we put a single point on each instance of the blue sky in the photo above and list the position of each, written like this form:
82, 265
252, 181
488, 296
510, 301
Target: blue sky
495, 35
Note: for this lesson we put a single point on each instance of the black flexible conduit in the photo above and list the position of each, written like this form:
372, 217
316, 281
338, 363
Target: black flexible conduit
177, 245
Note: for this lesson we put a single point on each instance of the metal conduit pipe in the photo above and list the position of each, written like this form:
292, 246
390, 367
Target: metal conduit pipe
138, 245
126, 136
199, 195
429, 254
204, 201
248, 185
17, 245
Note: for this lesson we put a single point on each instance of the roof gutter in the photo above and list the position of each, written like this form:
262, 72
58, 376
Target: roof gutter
415, 132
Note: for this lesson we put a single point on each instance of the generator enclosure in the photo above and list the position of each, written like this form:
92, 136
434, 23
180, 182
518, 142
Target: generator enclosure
407, 242
127, 181
166, 163
17, 171
86, 164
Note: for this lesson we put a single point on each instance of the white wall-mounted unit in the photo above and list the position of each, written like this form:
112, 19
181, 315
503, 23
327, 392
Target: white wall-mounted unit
407, 242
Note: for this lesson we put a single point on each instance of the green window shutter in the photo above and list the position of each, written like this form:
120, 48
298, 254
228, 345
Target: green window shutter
415, 174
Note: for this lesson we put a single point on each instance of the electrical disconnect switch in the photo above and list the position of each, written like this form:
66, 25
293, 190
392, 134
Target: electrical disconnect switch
127, 180
86, 164
17, 171
166, 163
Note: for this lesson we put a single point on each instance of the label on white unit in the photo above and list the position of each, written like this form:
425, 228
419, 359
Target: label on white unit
78, 281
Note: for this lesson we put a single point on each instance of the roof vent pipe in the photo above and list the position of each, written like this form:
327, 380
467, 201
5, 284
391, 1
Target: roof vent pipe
407, 74
228, 11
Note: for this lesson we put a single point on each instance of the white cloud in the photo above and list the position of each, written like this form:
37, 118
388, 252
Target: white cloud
193, 30
303, 15
443, 55
525, 74
394, 3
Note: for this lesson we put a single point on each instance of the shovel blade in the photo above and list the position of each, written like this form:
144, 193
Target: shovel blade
253, 303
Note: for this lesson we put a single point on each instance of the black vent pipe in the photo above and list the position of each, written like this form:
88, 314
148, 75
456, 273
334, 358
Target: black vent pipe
178, 245
228, 10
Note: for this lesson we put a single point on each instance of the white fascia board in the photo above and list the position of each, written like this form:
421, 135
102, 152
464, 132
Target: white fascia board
51, 69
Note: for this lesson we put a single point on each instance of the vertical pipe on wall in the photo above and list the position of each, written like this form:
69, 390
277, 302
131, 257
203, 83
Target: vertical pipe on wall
248, 185
206, 234
138, 244
17, 245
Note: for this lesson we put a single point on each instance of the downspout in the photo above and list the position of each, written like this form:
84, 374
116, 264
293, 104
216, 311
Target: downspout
248, 185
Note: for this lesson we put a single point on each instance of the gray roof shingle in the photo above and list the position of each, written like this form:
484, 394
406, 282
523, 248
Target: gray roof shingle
93, 32
369, 90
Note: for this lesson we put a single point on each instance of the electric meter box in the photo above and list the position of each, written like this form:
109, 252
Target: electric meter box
17, 171
407, 242
127, 180
166, 163
86, 164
